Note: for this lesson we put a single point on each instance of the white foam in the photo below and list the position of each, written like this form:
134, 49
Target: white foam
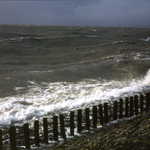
19, 88
147, 40
61, 97
118, 42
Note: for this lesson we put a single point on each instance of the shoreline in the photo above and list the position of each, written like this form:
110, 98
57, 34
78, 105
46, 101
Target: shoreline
130, 134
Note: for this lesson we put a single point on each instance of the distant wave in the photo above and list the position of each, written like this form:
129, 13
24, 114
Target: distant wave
122, 41
35, 38
147, 40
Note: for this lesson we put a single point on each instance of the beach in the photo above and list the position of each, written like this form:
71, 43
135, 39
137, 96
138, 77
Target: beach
127, 134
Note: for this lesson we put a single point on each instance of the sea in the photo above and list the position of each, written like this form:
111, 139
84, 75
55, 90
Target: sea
49, 70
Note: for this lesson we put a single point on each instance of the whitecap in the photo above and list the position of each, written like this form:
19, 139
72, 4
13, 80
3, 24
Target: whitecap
59, 97
147, 40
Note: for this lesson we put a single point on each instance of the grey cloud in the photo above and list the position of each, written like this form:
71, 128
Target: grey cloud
96, 13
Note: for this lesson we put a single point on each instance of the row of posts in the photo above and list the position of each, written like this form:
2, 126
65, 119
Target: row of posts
103, 120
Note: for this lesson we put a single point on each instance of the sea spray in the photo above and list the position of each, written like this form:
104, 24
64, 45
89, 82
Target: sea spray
59, 97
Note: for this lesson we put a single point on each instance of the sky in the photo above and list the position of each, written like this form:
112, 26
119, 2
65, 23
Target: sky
119, 13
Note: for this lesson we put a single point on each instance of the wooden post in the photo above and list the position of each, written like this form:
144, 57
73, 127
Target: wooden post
26, 135
148, 99
147, 102
55, 128
94, 117
12, 133
136, 104
1, 140
87, 119
121, 104
36, 132
101, 114
106, 112
62, 126
126, 107
131, 106
45, 126
141, 103
79, 120
115, 109
71, 123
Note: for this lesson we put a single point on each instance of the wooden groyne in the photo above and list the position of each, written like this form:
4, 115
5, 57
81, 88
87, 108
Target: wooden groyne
101, 114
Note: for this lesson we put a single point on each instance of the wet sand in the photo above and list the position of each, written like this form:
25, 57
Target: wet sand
131, 134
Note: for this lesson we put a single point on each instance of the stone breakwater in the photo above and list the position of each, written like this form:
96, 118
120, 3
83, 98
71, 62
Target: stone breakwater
132, 134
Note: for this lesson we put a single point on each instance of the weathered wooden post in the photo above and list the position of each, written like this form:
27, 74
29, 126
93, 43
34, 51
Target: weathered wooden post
136, 104
115, 109
101, 114
106, 112
26, 135
12, 133
55, 128
1, 140
36, 132
71, 123
147, 102
126, 107
45, 126
62, 126
94, 117
120, 107
87, 118
141, 103
131, 106
149, 99
79, 120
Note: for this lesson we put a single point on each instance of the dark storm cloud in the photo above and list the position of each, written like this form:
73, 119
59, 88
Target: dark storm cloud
135, 13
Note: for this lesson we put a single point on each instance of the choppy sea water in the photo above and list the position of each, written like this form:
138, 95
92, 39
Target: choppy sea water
47, 70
